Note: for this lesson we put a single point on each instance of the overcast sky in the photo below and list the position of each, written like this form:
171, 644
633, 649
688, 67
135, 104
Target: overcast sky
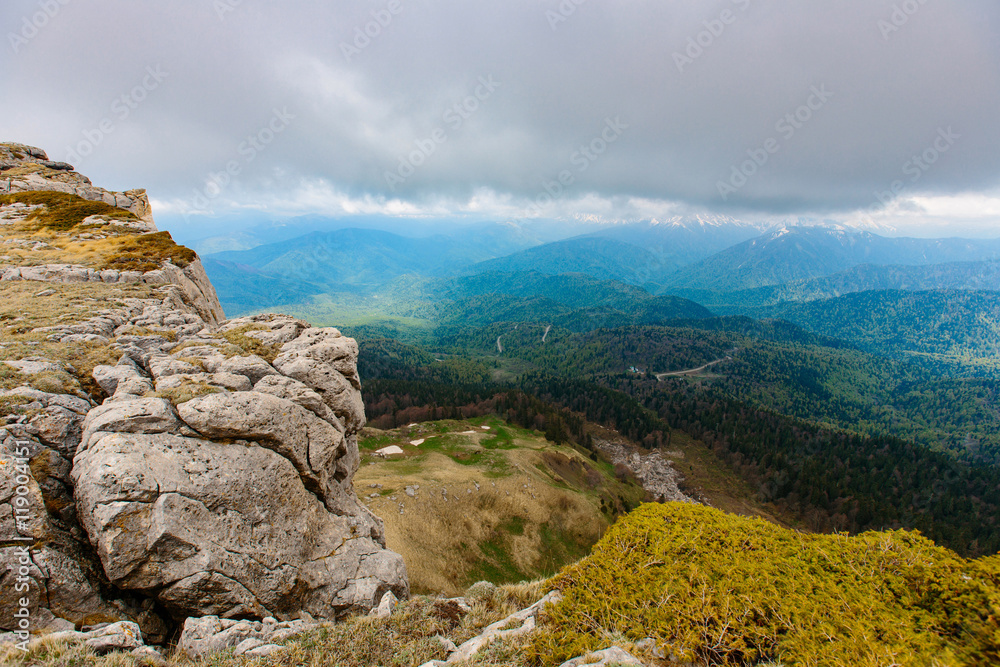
643, 109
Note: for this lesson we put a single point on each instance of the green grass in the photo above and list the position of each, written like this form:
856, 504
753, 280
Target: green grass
500, 439
373, 443
496, 565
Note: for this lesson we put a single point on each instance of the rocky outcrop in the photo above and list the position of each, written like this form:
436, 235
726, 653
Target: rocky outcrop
190, 289
29, 168
207, 473
517, 624
656, 473
210, 634
235, 503
613, 655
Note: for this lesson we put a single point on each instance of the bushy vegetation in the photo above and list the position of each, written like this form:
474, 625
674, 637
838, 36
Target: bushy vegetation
146, 252
730, 590
63, 211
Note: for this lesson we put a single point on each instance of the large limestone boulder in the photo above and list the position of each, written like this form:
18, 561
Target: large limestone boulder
227, 529
240, 503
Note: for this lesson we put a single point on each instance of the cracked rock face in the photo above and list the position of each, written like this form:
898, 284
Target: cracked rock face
237, 503
214, 479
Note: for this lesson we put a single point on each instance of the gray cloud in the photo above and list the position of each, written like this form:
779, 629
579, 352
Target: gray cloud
690, 120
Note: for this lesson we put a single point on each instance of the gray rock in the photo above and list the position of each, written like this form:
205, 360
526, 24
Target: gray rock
163, 365
247, 645
127, 374
297, 392
285, 634
318, 451
141, 415
385, 606
253, 367
121, 636
210, 634
326, 361
240, 535
73, 403
35, 365
264, 651
59, 428
228, 381
609, 656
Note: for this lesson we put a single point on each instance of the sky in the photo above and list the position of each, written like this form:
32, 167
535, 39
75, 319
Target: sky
876, 113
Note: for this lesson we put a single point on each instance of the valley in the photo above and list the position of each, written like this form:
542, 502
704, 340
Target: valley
796, 399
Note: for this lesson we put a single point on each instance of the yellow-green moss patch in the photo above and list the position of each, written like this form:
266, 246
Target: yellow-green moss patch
146, 252
249, 344
185, 392
63, 211
730, 590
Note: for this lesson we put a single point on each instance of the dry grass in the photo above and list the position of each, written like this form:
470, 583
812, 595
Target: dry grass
26, 169
250, 345
61, 211
57, 221
146, 252
522, 523
405, 639
71, 303
21, 311
185, 392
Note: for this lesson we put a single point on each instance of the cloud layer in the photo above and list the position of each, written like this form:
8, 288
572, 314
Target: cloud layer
754, 106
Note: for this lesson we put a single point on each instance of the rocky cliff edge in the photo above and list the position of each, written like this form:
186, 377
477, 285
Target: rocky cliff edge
156, 461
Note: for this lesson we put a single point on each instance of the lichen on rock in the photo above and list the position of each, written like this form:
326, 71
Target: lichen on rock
206, 472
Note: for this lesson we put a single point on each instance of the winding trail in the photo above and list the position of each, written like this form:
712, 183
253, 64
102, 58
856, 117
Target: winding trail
695, 371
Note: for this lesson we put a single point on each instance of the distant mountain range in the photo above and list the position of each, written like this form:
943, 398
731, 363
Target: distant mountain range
801, 253
984, 275
606, 277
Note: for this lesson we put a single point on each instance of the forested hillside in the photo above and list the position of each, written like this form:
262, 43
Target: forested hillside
827, 476
951, 331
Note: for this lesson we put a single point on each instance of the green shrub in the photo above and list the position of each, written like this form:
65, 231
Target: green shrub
146, 252
63, 211
731, 590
